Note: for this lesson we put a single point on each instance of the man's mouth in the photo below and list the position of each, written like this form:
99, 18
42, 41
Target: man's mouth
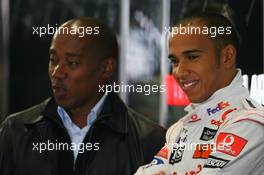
188, 85
59, 91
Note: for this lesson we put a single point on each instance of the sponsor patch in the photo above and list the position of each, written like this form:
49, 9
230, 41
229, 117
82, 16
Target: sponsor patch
155, 161
218, 108
223, 117
163, 152
194, 118
195, 172
208, 134
215, 162
202, 151
176, 155
232, 144
177, 152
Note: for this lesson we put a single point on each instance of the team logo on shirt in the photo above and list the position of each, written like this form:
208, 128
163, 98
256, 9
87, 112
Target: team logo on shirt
155, 161
232, 144
178, 148
208, 134
195, 172
223, 118
202, 151
220, 106
215, 162
194, 118
163, 152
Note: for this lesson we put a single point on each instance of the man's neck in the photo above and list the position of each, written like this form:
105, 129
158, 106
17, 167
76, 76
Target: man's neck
79, 115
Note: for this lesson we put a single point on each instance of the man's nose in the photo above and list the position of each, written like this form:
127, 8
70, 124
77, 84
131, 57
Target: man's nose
182, 70
58, 71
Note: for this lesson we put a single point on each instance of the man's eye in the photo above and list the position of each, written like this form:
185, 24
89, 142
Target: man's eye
53, 60
192, 57
174, 62
73, 63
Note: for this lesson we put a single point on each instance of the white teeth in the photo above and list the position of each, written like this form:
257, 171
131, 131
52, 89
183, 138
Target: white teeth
186, 85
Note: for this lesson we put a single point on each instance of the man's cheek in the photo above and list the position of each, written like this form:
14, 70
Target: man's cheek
50, 70
83, 87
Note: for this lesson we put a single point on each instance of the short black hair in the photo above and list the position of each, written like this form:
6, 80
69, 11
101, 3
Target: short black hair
105, 43
212, 19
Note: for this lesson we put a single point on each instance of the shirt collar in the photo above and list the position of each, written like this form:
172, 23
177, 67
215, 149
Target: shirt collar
114, 113
95, 111
99, 105
234, 88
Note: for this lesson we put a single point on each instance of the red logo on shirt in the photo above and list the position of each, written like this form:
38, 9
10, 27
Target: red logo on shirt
202, 151
223, 117
194, 118
163, 152
195, 172
231, 144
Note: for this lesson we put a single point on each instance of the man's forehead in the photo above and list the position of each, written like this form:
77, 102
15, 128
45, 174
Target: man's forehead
74, 34
189, 28
187, 39
71, 34
183, 44
71, 44
81, 29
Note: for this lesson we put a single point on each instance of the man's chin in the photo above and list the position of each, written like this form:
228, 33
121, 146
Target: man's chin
62, 102
193, 98
196, 99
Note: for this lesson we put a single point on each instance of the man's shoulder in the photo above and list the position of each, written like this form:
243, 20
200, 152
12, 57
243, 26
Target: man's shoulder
27, 115
149, 134
174, 130
250, 111
143, 123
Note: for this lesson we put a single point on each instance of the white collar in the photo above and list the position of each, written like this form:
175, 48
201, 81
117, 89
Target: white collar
235, 87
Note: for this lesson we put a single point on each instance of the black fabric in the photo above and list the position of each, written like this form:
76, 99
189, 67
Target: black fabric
126, 140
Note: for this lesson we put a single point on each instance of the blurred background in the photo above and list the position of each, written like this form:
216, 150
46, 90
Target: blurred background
139, 26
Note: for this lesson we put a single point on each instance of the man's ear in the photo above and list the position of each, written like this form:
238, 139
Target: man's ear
228, 56
109, 67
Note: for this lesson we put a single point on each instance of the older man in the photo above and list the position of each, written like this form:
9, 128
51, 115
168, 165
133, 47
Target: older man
80, 130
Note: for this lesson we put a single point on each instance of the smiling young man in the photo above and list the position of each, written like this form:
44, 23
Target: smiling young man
223, 132
79, 131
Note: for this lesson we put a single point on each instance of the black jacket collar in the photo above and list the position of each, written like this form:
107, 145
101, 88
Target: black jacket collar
114, 113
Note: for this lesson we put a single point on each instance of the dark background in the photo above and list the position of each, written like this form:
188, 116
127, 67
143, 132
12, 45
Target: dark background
29, 83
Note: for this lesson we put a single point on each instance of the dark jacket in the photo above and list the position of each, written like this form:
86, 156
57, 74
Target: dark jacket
125, 140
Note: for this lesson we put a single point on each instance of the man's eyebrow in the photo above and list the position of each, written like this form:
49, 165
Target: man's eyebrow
171, 56
71, 54
68, 54
192, 51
